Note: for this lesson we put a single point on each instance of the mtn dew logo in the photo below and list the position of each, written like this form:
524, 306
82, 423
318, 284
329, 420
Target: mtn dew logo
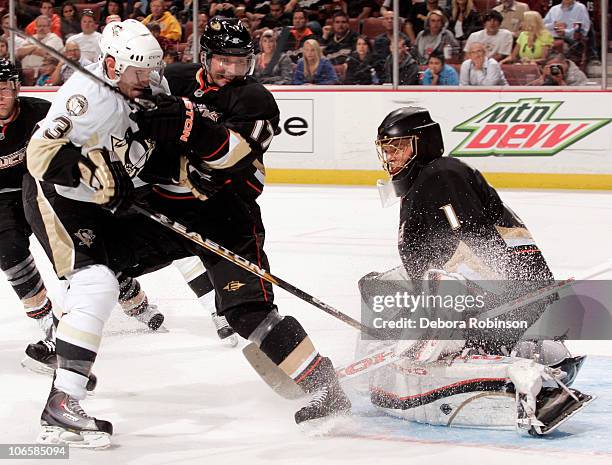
524, 127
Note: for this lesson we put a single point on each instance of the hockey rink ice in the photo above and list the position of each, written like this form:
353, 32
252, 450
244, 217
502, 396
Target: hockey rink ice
178, 397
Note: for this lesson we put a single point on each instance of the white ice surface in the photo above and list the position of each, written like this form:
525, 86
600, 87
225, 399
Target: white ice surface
180, 398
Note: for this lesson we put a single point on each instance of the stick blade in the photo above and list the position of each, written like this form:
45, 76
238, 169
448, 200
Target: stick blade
274, 377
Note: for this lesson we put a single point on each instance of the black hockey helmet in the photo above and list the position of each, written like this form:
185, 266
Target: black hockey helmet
8, 72
227, 37
409, 125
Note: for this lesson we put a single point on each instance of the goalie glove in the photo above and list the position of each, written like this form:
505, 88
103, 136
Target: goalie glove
167, 118
105, 174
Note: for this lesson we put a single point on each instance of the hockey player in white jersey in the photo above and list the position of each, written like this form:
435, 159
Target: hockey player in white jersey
84, 160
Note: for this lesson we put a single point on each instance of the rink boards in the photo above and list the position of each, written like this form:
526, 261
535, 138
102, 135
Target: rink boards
527, 138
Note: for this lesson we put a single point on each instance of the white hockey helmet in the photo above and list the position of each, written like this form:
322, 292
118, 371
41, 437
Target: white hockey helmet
131, 43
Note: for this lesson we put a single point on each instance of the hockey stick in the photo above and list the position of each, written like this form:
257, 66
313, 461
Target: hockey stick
75, 66
252, 268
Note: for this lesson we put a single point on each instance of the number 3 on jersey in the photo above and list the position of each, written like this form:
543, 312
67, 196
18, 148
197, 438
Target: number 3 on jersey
451, 216
262, 133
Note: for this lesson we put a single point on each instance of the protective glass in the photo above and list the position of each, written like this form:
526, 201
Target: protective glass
228, 66
390, 151
143, 77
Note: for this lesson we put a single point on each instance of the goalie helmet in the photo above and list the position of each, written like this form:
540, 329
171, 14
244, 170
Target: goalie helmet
130, 43
8, 72
409, 125
227, 37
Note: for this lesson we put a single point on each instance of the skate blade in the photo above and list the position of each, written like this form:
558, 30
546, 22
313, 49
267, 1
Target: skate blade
96, 440
37, 367
567, 416
230, 341
331, 424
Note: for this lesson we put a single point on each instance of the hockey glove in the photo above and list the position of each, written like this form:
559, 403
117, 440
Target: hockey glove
105, 174
205, 182
170, 118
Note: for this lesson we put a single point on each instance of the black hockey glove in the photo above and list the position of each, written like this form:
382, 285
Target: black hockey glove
105, 174
207, 182
169, 118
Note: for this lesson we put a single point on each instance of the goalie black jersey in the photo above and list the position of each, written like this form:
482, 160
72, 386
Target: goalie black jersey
452, 219
14, 138
245, 107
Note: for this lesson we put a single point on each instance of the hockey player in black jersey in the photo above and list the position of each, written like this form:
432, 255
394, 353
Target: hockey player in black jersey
454, 225
224, 122
18, 116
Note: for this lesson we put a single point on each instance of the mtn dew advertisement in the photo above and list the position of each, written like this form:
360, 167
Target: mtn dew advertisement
523, 127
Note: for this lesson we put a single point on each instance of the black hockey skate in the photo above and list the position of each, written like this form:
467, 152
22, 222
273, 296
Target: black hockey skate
41, 358
151, 317
64, 421
328, 401
554, 406
224, 330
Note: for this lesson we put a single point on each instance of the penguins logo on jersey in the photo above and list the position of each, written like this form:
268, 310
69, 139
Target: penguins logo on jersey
76, 105
132, 150
85, 236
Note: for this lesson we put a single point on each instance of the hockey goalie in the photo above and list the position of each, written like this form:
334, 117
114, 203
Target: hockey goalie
454, 228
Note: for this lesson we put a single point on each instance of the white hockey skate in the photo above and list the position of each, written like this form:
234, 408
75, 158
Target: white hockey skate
64, 421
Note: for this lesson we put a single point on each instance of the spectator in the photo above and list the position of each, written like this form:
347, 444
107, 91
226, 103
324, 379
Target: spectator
497, 42
6, 34
478, 70
4, 48
361, 64
112, 7
361, 9
314, 68
222, 9
276, 17
298, 35
564, 19
164, 43
408, 68
170, 27
404, 7
438, 73
63, 71
338, 39
187, 53
272, 66
533, 44
512, 13
46, 9
383, 40
170, 56
464, 19
89, 39
26, 12
30, 55
47, 68
70, 20
434, 37
417, 17
559, 71
112, 19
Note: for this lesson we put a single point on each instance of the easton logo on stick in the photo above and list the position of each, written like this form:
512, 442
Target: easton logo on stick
524, 127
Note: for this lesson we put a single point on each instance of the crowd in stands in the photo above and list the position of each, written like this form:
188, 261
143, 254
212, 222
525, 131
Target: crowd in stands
323, 42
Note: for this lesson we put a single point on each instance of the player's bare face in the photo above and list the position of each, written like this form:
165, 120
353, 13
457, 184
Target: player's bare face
225, 68
8, 100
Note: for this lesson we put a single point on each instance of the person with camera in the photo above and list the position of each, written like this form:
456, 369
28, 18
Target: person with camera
559, 71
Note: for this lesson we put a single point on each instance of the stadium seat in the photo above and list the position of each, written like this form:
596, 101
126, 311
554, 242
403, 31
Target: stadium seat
372, 27
355, 25
483, 6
